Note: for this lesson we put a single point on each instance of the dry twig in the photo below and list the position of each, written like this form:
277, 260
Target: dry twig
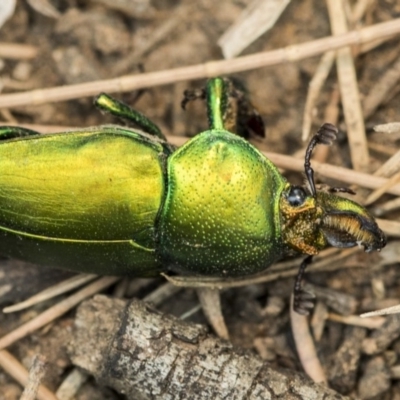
145, 355
56, 311
15, 369
17, 51
314, 89
380, 92
71, 385
36, 373
209, 69
49, 293
349, 91
305, 346
257, 18
161, 294
211, 304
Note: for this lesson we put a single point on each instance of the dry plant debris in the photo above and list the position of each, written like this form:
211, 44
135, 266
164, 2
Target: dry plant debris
69, 50
148, 355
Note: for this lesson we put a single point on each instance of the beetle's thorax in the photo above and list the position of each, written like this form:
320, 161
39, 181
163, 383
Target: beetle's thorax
301, 218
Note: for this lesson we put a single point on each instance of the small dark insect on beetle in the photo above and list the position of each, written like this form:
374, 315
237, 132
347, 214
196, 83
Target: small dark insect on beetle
122, 201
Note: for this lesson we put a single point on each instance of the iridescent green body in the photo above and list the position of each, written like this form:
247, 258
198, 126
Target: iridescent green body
221, 213
122, 201
85, 200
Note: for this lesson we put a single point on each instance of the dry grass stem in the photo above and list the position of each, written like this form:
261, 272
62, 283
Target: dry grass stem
53, 291
187, 314
391, 127
210, 301
323, 69
45, 8
277, 271
142, 10
395, 372
314, 90
334, 172
71, 384
355, 320
382, 148
56, 311
209, 69
387, 207
390, 167
259, 17
15, 85
376, 194
6, 114
391, 228
305, 346
15, 369
382, 89
161, 294
163, 31
349, 91
373, 44
383, 311
318, 320
121, 287
18, 51
359, 10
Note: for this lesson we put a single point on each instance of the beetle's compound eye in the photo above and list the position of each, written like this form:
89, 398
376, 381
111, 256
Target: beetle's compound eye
296, 196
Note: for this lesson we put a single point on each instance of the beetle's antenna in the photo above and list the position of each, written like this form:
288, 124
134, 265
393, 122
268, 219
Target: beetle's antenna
326, 134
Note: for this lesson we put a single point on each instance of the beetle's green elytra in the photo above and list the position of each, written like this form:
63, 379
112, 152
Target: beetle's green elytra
90, 188
122, 201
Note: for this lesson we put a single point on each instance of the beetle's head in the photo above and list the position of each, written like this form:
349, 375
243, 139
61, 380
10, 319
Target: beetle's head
301, 220
310, 223
346, 224
312, 220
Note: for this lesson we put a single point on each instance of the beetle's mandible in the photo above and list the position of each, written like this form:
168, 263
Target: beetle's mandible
123, 201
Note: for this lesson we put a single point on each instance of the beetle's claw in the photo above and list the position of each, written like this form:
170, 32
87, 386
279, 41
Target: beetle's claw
326, 134
303, 302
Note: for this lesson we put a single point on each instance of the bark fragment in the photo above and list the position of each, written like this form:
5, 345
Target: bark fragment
147, 355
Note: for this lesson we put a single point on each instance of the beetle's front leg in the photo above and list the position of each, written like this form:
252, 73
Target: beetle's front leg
303, 301
13, 132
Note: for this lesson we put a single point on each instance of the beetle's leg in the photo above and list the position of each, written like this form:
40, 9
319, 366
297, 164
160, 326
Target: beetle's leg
12, 132
249, 122
325, 135
220, 114
228, 107
191, 95
303, 302
121, 110
217, 100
